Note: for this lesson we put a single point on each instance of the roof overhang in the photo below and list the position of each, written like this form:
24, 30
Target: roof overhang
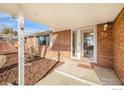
66, 16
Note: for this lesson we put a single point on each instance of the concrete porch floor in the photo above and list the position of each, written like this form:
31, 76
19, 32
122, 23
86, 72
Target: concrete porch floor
107, 76
71, 74
55, 78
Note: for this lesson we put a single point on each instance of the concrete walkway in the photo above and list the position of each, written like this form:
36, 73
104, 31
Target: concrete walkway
81, 74
71, 74
107, 76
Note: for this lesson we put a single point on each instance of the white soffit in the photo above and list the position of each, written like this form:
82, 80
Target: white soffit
66, 16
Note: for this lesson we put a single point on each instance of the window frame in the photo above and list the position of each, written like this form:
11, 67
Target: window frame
47, 40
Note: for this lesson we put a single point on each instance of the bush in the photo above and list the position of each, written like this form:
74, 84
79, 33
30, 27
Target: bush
8, 31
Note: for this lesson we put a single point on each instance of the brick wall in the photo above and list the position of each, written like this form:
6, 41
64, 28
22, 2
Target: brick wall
104, 45
110, 46
31, 45
118, 35
62, 44
6, 47
60, 49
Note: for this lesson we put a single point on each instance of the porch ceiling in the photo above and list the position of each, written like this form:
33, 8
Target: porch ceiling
66, 16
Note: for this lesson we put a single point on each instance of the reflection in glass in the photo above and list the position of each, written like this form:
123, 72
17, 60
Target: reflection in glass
89, 44
74, 43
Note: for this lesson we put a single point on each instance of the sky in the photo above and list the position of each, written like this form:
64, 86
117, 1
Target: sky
30, 27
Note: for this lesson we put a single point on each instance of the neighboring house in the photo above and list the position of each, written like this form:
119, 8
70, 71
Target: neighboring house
7, 43
102, 44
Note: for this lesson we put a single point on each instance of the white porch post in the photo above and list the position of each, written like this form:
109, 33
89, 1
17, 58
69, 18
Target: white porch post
21, 50
51, 38
78, 44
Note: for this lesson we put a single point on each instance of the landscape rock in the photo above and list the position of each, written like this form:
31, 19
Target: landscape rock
2, 59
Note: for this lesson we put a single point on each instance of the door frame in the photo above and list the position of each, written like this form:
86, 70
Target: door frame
77, 44
79, 49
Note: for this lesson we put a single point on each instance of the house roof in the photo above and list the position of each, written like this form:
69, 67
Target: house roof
46, 32
65, 16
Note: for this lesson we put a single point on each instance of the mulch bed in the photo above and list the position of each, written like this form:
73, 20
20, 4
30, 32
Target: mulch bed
35, 69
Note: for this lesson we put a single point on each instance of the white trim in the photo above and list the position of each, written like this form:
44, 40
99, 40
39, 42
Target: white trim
95, 48
95, 41
76, 78
78, 45
71, 44
21, 60
72, 47
50, 39
87, 27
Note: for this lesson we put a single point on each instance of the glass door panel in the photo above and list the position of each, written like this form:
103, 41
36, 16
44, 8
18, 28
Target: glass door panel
74, 43
88, 44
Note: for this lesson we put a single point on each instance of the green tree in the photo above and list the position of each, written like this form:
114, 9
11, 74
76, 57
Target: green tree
8, 31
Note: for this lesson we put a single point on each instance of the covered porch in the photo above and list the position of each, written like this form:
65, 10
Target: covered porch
80, 35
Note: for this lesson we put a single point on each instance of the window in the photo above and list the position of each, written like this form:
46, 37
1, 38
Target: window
44, 40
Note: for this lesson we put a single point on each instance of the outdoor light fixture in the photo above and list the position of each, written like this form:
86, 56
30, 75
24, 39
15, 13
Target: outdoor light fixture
21, 22
104, 33
105, 26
